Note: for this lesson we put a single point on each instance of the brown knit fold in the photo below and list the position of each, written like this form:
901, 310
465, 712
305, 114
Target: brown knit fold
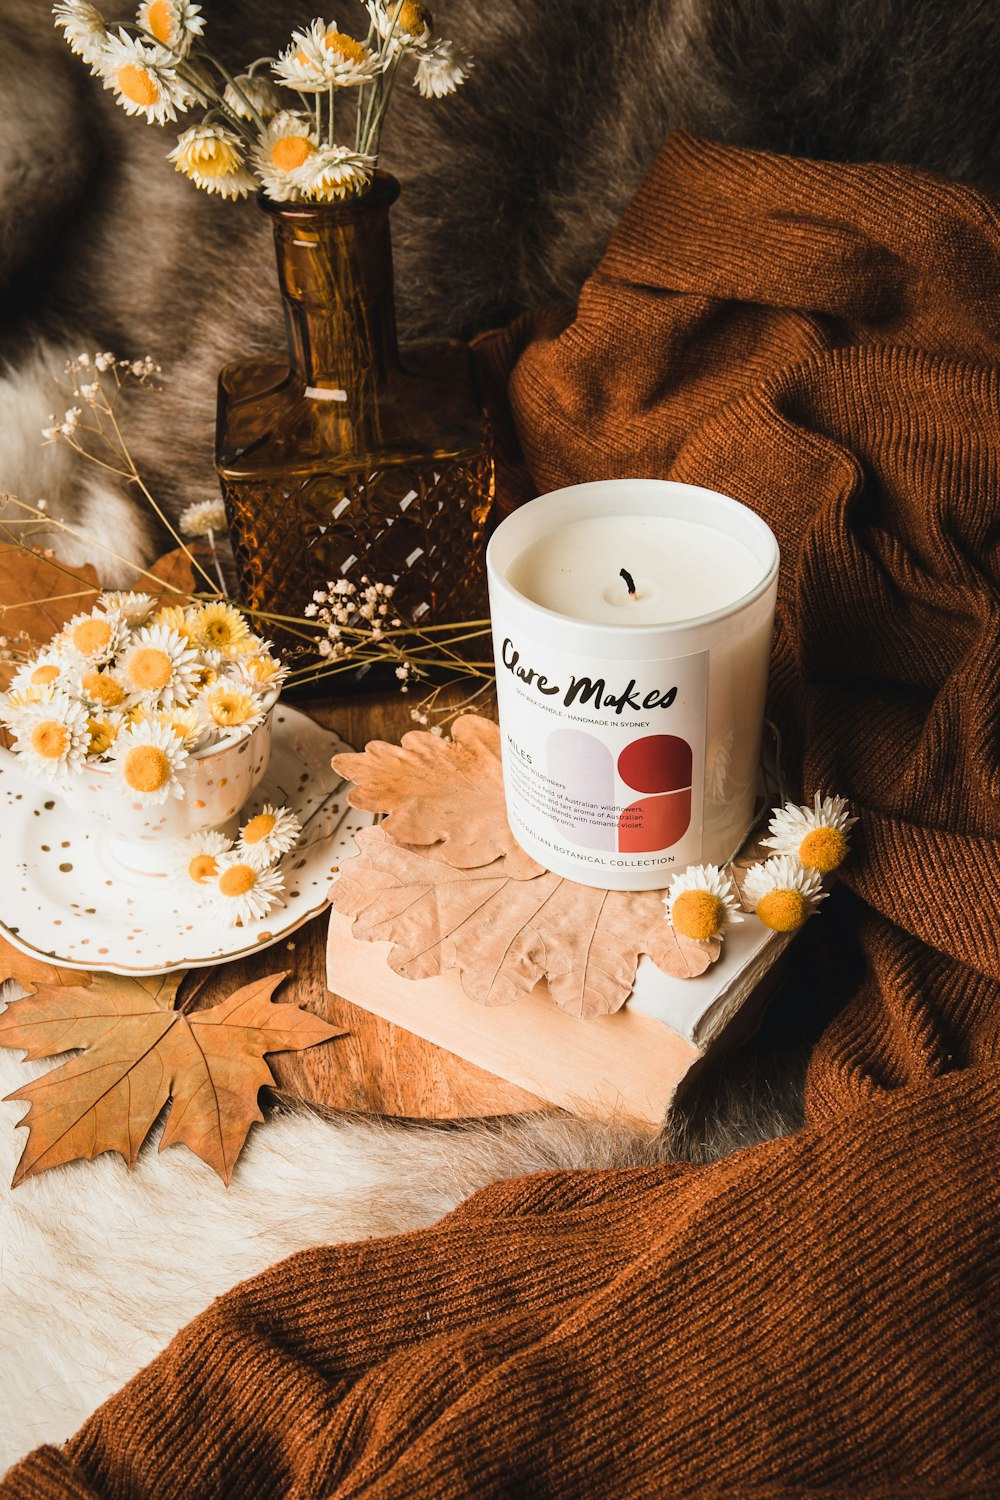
817, 1316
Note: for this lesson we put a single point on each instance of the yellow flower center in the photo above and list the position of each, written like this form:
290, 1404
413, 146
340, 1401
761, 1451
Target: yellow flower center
146, 768
42, 676
203, 867
150, 668
237, 880
290, 152
349, 49
411, 17
102, 689
782, 910
823, 849
102, 735
697, 914
91, 635
50, 739
258, 828
217, 632
138, 85
229, 708
159, 21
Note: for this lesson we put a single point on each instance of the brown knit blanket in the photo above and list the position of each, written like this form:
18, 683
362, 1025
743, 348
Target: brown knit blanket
816, 1316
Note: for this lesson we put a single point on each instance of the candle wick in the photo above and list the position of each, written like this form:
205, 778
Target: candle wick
629, 581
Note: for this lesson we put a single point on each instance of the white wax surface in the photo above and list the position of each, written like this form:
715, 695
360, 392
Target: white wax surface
680, 570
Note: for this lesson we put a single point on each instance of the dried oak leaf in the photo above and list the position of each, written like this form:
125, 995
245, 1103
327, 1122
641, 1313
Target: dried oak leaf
442, 792
504, 935
138, 1052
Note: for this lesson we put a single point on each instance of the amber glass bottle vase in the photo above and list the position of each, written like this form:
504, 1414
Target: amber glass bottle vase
352, 458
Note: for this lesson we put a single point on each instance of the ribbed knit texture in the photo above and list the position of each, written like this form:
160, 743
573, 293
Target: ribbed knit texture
817, 1316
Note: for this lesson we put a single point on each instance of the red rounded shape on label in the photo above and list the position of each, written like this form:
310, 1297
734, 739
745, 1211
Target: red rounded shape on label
656, 763
654, 822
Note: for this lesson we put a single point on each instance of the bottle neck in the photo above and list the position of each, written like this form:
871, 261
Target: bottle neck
335, 275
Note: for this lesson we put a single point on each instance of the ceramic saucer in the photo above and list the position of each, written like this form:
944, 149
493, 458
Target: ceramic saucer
65, 898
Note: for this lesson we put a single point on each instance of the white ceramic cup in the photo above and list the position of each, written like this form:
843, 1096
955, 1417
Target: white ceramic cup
141, 838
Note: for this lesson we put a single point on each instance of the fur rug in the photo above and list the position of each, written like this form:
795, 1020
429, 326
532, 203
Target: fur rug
511, 187
100, 1267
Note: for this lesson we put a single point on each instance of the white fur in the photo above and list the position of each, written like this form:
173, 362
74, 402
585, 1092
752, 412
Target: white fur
33, 469
100, 1267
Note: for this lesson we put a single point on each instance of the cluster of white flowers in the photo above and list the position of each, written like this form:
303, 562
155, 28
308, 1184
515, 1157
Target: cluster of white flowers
84, 374
138, 686
347, 613
254, 133
784, 890
239, 880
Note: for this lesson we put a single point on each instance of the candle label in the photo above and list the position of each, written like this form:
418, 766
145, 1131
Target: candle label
604, 762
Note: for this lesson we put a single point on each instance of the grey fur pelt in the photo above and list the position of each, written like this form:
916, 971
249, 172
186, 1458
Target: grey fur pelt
511, 187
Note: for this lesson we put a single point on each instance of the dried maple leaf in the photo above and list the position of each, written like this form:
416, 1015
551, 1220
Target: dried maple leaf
176, 571
503, 935
35, 971
38, 595
138, 1052
441, 792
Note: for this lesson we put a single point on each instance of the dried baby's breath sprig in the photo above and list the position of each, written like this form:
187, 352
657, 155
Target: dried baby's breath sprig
358, 626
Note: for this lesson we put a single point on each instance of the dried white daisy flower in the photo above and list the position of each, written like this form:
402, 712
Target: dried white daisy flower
218, 627
782, 892
176, 617
243, 893
282, 150
816, 835
95, 638
198, 862
701, 901
103, 728
184, 722
147, 759
134, 608
159, 666
51, 737
259, 671
101, 688
83, 27
143, 78
269, 834
229, 709
334, 172
442, 69
248, 90
320, 57
38, 677
404, 24
174, 23
212, 157
202, 518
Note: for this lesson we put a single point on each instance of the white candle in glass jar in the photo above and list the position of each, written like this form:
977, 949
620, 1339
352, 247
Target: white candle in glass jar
632, 626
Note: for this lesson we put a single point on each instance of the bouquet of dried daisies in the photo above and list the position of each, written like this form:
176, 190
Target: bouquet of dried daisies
138, 686
271, 127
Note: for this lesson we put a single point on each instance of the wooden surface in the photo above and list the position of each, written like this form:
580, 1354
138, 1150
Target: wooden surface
627, 1065
378, 1067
